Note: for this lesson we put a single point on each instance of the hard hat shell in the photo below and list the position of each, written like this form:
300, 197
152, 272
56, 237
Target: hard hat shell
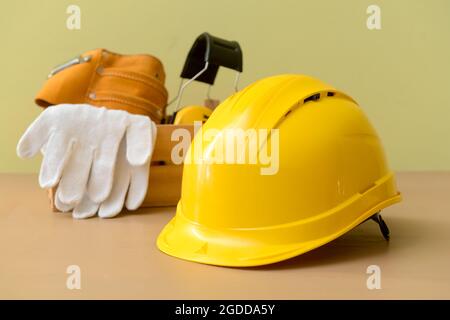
190, 114
332, 176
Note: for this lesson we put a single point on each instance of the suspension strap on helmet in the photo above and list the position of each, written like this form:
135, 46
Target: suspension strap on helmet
383, 226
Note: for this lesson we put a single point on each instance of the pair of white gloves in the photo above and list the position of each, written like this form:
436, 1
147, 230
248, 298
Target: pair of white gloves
99, 159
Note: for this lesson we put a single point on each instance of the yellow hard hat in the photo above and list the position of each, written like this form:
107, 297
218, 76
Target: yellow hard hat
190, 114
332, 176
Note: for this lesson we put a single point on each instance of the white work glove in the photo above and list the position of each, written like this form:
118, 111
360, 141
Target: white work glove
130, 182
81, 146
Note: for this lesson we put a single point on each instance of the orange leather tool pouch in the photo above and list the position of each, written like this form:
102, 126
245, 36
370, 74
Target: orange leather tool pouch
134, 83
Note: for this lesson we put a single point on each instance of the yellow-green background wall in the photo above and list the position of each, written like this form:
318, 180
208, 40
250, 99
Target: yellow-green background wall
399, 74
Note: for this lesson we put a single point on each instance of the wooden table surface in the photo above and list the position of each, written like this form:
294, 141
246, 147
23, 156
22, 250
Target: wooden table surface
118, 257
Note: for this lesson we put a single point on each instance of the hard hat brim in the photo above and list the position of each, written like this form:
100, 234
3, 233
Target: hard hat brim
188, 240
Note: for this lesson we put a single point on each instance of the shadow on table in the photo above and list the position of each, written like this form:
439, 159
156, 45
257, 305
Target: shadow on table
359, 243
165, 211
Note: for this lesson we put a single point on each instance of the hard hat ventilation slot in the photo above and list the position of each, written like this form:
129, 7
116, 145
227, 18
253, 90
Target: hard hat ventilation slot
158, 163
314, 97
330, 94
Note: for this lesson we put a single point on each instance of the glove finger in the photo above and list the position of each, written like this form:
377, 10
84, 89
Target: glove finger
102, 171
85, 209
140, 136
138, 186
114, 204
56, 154
35, 136
75, 175
60, 205
44, 148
